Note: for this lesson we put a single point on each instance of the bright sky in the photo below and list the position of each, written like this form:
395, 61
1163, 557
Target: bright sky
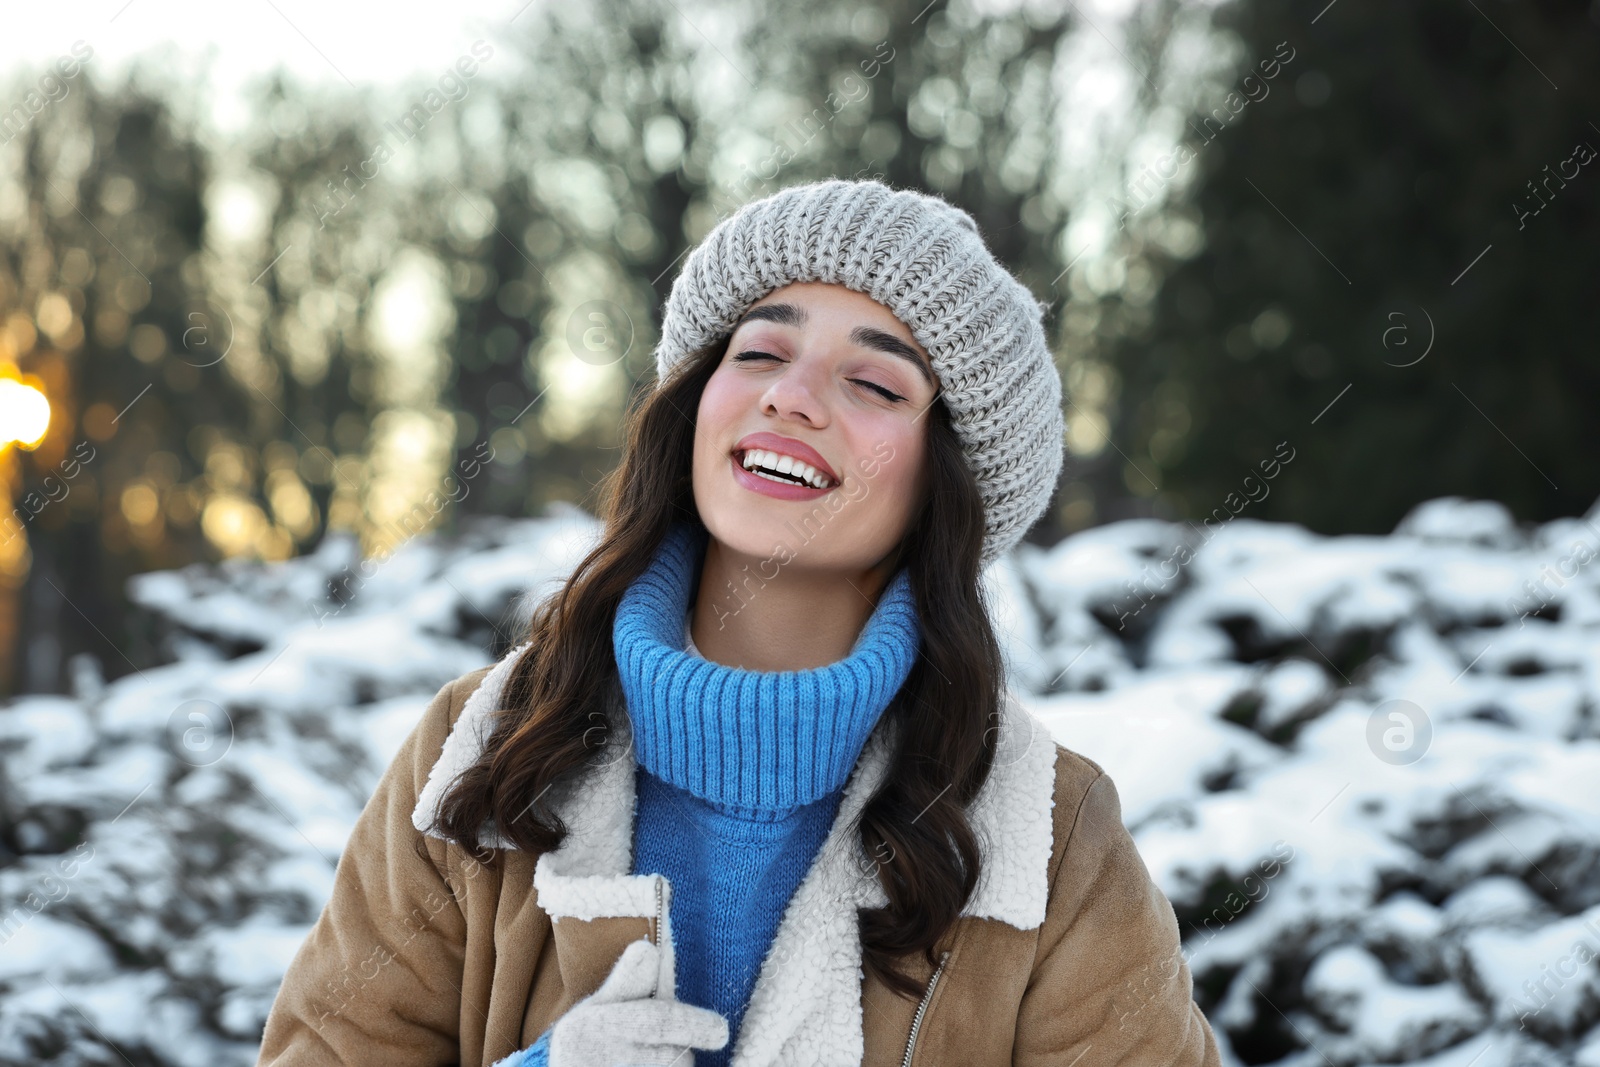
332, 43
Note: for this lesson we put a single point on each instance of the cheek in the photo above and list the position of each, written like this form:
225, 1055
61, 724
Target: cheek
730, 396
718, 411
893, 451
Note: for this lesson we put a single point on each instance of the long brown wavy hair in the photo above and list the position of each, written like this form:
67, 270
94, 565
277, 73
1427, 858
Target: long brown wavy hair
915, 824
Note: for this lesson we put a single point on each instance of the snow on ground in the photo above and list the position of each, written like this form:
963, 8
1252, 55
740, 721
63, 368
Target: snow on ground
1365, 769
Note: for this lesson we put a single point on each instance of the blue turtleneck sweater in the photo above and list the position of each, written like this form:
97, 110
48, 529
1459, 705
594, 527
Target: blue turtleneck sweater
740, 773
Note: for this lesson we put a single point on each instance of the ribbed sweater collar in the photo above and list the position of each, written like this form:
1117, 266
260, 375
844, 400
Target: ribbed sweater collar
754, 744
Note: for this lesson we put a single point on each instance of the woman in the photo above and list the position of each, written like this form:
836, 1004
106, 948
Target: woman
754, 790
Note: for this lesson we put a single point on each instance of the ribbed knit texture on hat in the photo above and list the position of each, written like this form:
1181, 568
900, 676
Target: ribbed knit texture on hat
923, 259
725, 734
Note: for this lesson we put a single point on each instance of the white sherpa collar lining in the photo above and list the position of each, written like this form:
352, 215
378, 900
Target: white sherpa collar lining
806, 1004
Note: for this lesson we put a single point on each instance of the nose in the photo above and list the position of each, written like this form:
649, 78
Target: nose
795, 393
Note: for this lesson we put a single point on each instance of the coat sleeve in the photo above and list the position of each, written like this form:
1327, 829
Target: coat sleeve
378, 979
1110, 984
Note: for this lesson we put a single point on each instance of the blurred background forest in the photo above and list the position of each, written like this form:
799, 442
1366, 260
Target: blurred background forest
1265, 230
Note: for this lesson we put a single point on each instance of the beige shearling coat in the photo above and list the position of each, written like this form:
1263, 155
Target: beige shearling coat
1066, 955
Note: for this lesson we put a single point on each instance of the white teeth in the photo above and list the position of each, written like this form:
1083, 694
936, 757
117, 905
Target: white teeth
772, 477
772, 461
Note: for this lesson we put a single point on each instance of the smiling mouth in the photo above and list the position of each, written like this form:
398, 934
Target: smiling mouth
767, 469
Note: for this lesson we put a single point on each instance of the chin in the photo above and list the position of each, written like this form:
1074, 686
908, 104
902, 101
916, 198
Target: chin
749, 534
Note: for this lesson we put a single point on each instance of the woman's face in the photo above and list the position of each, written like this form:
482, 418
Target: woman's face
829, 376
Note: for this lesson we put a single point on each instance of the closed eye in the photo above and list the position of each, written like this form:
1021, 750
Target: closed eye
880, 390
886, 394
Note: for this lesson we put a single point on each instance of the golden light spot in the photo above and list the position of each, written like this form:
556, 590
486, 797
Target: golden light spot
225, 468
291, 503
54, 315
233, 523
140, 504
24, 413
16, 557
19, 329
275, 543
148, 343
1087, 433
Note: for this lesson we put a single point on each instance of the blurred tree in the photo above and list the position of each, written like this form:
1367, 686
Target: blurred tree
641, 136
205, 344
298, 272
100, 296
1394, 191
586, 195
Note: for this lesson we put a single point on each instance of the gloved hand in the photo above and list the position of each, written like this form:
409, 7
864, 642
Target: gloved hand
621, 1023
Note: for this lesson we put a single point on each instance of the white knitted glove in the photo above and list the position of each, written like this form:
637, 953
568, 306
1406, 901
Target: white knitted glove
622, 1023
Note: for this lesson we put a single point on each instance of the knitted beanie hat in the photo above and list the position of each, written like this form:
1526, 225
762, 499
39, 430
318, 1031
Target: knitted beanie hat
923, 259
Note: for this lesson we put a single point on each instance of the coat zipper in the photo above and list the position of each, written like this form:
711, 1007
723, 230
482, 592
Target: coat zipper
655, 937
655, 934
916, 1022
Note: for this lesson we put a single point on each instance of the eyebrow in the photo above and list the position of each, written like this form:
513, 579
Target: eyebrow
865, 336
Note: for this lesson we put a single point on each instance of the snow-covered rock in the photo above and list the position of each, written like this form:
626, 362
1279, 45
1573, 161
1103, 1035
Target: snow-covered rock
1370, 1016
1363, 769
